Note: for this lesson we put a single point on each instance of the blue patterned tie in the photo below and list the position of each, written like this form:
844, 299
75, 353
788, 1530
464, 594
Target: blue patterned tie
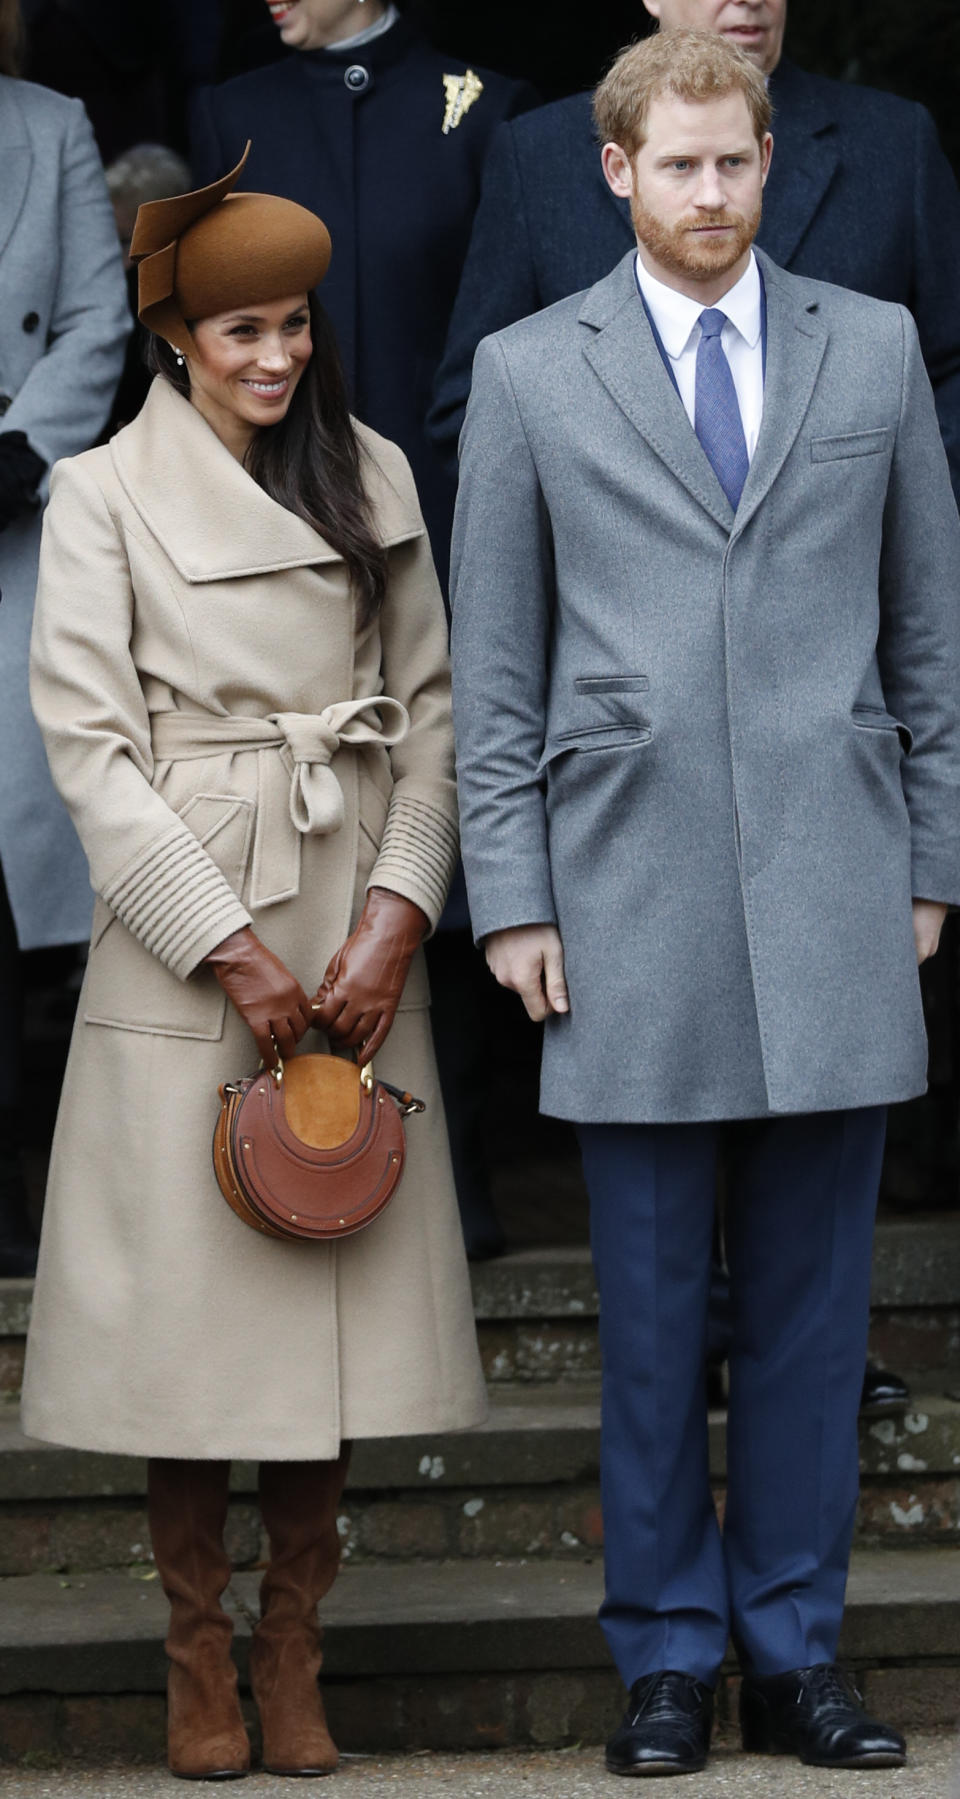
716, 410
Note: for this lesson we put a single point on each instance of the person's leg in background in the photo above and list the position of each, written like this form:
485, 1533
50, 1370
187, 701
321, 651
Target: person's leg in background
463, 1001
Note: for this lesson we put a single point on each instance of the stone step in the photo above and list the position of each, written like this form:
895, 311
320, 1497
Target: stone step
525, 1484
457, 1655
916, 1263
536, 1309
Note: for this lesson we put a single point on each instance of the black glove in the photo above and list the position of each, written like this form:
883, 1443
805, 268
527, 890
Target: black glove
21, 471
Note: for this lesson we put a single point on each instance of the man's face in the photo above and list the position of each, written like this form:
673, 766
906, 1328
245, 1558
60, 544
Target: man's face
755, 26
695, 191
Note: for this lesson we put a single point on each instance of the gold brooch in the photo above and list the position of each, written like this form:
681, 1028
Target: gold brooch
461, 91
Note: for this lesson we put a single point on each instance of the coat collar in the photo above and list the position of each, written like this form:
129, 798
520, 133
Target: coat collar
16, 158
381, 54
622, 351
210, 517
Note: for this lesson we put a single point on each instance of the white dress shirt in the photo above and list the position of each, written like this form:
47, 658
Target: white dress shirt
678, 321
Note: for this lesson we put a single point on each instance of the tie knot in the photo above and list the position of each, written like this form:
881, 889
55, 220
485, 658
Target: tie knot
712, 321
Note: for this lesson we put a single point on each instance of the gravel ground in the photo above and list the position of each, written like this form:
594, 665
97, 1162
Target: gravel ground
933, 1773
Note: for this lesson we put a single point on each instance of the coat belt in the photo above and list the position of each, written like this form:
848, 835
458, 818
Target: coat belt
298, 793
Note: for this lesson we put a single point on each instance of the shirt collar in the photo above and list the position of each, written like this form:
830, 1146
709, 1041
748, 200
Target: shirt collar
675, 315
368, 35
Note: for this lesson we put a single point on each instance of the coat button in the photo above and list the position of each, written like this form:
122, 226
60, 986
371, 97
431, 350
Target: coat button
5, 404
31, 321
356, 77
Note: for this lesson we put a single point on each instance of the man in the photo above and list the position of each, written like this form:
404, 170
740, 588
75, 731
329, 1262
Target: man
549, 225
860, 193
706, 596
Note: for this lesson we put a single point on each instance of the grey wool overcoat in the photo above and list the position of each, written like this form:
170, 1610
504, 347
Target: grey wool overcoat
721, 752
64, 321
233, 748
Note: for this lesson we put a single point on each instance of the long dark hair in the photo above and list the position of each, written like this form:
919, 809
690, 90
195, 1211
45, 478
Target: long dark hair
11, 37
310, 461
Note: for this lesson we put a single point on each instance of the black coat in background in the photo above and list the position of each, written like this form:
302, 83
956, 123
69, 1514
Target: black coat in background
358, 137
859, 194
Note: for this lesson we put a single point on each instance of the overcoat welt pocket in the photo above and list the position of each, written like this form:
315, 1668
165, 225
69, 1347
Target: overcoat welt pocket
611, 683
585, 739
877, 718
854, 443
129, 988
604, 711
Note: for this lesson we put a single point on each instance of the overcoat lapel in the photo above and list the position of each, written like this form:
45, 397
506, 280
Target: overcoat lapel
16, 160
210, 516
805, 160
796, 342
620, 348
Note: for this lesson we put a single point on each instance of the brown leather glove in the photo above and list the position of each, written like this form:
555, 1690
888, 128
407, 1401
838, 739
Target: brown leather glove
267, 996
359, 994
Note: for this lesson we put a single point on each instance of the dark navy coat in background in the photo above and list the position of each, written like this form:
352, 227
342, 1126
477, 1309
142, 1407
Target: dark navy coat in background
859, 194
358, 137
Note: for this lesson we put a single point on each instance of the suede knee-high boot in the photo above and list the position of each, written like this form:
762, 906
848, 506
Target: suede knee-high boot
187, 1510
298, 1502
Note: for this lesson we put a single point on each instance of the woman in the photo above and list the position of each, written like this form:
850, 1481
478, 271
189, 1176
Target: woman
240, 671
63, 325
363, 120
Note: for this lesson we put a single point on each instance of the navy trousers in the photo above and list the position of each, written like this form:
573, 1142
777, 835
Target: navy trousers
801, 1203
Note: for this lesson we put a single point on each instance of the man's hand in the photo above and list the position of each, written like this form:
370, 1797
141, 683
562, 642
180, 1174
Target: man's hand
928, 917
528, 958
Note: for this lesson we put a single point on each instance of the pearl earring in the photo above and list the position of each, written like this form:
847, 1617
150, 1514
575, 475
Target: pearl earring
180, 359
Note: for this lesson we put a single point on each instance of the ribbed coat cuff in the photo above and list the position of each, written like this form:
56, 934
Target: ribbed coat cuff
418, 854
176, 902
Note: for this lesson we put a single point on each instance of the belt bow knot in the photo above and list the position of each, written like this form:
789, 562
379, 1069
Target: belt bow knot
313, 739
308, 741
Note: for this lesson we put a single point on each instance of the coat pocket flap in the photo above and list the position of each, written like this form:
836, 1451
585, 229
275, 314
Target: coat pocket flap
877, 718
855, 443
223, 823
593, 737
127, 987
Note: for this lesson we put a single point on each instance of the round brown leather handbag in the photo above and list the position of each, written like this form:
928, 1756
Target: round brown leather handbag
312, 1149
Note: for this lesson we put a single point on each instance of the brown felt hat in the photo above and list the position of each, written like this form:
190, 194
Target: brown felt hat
213, 250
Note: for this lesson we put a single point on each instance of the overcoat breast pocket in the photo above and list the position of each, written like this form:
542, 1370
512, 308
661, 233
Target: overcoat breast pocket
126, 986
852, 443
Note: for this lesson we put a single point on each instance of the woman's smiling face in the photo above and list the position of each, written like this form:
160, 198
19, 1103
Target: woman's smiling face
246, 366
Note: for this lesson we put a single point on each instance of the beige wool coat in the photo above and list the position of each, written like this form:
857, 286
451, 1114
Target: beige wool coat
194, 660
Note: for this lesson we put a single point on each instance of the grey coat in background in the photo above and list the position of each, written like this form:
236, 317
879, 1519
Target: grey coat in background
64, 321
682, 734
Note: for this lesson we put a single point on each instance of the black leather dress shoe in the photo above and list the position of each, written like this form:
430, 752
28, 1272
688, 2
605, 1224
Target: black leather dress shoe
884, 1394
666, 1728
817, 1714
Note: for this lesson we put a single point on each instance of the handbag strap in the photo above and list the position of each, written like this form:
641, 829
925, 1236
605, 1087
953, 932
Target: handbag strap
405, 1101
